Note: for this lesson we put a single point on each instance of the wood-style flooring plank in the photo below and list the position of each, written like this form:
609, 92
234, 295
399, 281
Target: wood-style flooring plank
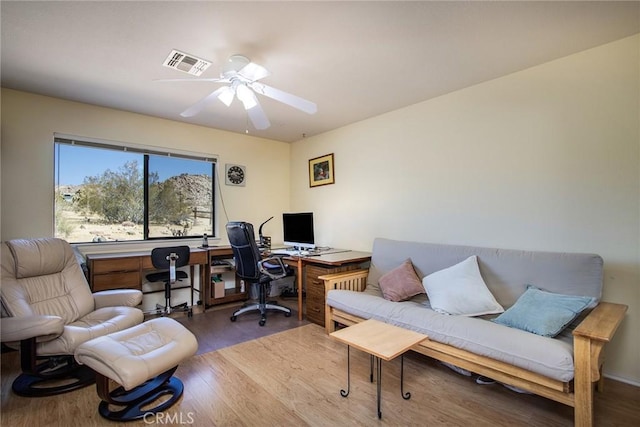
293, 378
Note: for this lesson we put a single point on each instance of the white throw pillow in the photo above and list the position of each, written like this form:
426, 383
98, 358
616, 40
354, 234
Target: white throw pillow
460, 290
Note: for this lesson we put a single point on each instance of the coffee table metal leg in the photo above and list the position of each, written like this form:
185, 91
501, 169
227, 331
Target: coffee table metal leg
379, 381
344, 393
406, 395
378, 364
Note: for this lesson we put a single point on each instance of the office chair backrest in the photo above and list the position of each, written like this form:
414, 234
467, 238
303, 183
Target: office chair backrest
160, 257
245, 249
43, 277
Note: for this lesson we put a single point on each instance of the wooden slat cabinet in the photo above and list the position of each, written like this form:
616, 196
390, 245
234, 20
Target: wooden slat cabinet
315, 289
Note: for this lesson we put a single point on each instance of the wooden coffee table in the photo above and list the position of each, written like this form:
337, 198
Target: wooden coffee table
383, 342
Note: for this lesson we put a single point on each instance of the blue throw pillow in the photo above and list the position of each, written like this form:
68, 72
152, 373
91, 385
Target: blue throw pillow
543, 313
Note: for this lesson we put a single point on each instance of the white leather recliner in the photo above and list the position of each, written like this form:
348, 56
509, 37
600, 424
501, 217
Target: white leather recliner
48, 310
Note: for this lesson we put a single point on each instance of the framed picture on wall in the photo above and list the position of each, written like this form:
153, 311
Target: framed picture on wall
321, 171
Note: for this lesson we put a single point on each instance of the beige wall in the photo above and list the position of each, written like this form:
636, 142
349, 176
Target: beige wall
29, 122
543, 159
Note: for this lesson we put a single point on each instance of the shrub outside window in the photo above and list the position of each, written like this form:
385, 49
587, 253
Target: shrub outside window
108, 192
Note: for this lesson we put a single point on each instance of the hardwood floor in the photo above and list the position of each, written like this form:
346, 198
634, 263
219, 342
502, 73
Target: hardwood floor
293, 378
214, 330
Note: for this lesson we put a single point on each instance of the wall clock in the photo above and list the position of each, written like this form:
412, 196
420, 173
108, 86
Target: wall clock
235, 175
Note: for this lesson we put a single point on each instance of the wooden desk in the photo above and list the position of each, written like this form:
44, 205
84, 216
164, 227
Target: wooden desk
116, 270
312, 266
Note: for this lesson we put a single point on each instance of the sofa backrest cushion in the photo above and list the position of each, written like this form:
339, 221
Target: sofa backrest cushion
506, 272
42, 276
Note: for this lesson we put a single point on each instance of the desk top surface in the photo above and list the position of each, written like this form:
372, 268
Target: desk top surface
337, 257
144, 253
330, 257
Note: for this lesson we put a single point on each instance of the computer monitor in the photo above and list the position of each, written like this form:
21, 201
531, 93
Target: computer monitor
298, 229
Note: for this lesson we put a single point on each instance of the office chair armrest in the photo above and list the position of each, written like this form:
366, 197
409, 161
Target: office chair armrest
274, 271
117, 297
23, 328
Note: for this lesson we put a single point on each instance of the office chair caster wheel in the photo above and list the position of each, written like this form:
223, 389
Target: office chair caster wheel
287, 314
262, 322
233, 318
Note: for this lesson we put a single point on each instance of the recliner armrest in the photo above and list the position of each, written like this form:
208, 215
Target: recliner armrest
117, 297
22, 328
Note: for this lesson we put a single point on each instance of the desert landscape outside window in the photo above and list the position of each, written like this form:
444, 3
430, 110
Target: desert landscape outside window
111, 193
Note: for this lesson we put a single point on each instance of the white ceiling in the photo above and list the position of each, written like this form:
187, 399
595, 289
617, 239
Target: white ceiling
354, 59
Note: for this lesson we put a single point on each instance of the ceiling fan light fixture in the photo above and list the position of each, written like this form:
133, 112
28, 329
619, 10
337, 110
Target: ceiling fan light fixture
246, 96
227, 95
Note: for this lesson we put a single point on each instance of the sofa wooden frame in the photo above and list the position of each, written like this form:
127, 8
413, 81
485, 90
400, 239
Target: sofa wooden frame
589, 340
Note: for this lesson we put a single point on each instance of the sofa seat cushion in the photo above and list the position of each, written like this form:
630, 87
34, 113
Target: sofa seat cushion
551, 357
98, 323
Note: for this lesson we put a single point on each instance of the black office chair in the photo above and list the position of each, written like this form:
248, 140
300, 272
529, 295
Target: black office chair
252, 268
170, 259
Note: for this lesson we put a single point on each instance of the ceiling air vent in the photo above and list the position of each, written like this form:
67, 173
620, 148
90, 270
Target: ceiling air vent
187, 63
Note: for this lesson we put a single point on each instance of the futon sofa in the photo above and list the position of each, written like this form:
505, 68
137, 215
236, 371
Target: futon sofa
562, 364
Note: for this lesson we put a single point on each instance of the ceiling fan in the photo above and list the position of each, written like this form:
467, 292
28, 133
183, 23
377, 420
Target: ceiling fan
242, 76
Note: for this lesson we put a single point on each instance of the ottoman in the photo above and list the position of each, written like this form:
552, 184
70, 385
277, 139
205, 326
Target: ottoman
142, 360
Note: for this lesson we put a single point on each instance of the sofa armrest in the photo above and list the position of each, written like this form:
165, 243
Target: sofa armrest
591, 335
602, 322
117, 297
353, 280
23, 328
589, 339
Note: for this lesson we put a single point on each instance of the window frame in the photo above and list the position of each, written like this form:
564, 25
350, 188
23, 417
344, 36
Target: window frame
145, 151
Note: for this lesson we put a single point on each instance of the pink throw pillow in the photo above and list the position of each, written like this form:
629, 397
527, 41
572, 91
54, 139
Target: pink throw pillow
401, 283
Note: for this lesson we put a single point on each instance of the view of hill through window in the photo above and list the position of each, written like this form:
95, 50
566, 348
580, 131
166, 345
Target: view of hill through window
100, 195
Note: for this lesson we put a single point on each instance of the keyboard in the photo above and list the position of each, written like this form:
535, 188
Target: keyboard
289, 252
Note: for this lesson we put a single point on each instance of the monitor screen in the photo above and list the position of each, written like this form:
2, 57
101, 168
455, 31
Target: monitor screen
298, 229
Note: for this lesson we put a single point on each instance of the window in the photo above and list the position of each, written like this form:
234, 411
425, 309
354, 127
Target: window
106, 192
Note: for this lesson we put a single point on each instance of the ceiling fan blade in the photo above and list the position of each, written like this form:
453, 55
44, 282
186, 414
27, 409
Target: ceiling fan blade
253, 72
258, 117
198, 106
284, 97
